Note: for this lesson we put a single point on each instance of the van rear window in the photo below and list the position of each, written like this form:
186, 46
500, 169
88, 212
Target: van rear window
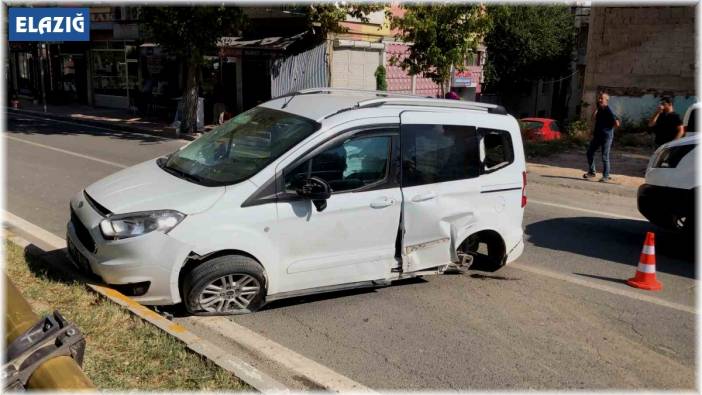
498, 149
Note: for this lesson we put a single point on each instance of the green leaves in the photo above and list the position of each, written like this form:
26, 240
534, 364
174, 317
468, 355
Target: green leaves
442, 36
381, 82
324, 18
527, 43
191, 31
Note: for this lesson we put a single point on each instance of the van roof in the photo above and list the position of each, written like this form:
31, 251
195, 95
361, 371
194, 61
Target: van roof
307, 102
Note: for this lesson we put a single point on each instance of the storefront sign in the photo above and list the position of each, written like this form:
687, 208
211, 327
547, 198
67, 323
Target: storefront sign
154, 64
49, 24
464, 79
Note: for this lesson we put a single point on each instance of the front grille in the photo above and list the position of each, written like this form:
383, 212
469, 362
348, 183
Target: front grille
82, 232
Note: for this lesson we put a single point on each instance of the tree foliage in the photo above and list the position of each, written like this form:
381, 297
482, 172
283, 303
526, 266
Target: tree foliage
442, 36
528, 43
325, 18
190, 32
381, 82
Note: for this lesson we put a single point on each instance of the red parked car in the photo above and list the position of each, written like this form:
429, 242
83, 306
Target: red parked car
540, 129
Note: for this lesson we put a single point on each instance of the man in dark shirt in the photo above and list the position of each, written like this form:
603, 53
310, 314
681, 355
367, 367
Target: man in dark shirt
666, 123
602, 136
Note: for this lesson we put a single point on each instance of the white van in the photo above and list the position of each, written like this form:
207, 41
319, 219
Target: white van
668, 197
317, 191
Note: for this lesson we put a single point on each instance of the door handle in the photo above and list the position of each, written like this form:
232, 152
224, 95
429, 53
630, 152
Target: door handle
382, 202
424, 197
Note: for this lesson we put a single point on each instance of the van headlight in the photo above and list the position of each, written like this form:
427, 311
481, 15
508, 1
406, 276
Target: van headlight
122, 226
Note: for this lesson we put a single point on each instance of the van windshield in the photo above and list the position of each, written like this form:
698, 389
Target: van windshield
240, 148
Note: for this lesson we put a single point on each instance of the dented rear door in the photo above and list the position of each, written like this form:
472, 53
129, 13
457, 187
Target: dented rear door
440, 166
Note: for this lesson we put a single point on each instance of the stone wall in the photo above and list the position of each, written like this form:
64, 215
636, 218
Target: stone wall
640, 51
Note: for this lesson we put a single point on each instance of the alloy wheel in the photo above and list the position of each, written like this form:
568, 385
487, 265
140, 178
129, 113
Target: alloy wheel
228, 294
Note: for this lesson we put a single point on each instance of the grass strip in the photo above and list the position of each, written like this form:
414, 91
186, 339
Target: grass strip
122, 352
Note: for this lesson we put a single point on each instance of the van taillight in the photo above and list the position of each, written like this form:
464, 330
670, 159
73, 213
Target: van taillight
524, 183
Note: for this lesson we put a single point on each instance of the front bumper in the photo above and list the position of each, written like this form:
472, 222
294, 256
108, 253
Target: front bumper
661, 205
154, 258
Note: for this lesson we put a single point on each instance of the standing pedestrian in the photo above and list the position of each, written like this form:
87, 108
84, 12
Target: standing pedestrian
603, 134
666, 123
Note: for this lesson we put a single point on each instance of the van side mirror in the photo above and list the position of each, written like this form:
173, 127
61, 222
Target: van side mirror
317, 190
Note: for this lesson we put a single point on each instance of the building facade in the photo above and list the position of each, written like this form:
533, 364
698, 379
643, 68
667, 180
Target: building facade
356, 54
102, 72
637, 54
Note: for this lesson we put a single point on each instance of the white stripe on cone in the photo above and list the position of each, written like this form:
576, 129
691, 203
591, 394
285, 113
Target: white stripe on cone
649, 250
644, 268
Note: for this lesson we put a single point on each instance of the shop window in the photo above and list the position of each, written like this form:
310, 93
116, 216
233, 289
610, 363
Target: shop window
115, 67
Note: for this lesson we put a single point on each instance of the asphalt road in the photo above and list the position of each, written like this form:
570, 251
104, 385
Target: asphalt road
560, 318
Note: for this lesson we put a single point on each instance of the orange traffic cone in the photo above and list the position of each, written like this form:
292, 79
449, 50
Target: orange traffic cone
645, 277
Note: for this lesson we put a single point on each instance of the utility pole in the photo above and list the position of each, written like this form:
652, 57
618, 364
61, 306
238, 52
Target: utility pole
42, 55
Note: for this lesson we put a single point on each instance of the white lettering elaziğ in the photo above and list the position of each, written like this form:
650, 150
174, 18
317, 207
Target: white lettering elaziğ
79, 23
61, 24
45, 25
21, 25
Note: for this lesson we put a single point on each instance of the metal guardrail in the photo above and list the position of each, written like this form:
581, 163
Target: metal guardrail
40, 354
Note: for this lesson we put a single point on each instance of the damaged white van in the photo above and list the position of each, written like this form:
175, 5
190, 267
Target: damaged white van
317, 191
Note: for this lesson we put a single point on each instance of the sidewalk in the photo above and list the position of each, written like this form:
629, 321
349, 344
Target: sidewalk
566, 169
120, 119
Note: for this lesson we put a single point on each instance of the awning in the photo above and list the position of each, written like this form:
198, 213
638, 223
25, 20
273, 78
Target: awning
269, 43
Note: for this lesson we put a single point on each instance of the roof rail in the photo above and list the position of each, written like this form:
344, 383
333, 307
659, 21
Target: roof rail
347, 90
426, 102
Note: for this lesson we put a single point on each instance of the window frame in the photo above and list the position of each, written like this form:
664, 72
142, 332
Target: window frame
272, 191
332, 143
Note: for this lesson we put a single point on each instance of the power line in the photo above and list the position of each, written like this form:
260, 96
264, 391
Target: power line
560, 79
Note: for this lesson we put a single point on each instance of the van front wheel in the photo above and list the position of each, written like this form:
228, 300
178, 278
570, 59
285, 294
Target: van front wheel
225, 285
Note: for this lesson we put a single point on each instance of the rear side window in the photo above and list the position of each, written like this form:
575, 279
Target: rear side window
555, 127
498, 149
438, 153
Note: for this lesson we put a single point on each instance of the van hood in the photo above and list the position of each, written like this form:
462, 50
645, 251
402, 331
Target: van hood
146, 187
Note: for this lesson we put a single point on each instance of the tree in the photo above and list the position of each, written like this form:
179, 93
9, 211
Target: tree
526, 44
381, 81
191, 32
442, 36
324, 18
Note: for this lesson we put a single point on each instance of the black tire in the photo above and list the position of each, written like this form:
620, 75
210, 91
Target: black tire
210, 272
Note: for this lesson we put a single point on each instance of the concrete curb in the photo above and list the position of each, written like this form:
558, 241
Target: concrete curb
238, 367
104, 124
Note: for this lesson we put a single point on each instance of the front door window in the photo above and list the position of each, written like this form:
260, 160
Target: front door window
350, 165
